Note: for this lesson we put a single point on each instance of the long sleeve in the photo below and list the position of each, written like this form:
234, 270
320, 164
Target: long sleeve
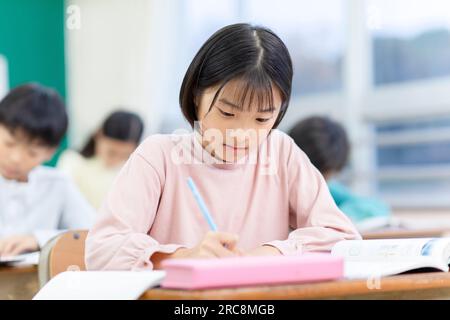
76, 213
119, 239
316, 221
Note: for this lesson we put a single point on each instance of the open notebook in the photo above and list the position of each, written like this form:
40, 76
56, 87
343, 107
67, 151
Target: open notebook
21, 259
99, 285
377, 258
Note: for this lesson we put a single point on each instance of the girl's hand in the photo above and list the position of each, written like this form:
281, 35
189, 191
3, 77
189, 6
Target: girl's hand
213, 245
15, 245
263, 251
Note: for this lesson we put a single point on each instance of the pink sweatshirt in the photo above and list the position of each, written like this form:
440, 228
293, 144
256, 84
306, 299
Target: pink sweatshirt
280, 200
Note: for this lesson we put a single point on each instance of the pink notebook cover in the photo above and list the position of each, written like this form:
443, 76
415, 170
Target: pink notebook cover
248, 271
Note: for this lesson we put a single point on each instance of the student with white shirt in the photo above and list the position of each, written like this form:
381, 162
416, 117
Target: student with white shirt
36, 202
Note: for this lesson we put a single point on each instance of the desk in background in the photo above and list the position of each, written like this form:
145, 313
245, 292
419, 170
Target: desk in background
397, 233
415, 224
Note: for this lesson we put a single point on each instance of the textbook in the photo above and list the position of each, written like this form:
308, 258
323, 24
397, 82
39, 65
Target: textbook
193, 274
384, 257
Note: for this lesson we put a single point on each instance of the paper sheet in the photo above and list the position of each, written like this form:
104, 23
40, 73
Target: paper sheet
99, 285
21, 259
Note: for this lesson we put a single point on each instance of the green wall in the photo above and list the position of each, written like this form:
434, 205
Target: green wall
32, 40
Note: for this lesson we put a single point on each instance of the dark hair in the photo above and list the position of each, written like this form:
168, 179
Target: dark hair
36, 110
253, 54
120, 125
324, 141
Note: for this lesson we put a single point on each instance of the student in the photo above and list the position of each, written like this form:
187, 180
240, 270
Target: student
255, 181
36, 202
326, 144
101, 158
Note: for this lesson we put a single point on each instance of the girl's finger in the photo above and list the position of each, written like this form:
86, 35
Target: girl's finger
220, 251
227, 239
18, 250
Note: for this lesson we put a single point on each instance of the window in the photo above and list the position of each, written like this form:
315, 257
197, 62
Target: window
202, 18
411, 39
413, 160
314, 36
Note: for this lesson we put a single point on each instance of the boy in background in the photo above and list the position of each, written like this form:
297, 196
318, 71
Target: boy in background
36, 202
326, 144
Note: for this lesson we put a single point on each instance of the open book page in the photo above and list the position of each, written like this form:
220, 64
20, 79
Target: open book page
99, 285
21, 259
371, 258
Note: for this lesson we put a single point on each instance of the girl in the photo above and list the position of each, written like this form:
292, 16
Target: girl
262, 191
101, 158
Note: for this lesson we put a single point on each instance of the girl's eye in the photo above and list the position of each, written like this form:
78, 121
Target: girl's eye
262, 120
226, 114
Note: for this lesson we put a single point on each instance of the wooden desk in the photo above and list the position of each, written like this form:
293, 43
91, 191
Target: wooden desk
433, 285
407, 233
18, 283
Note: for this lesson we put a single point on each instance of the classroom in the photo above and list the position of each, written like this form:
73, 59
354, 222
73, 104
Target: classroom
224, 150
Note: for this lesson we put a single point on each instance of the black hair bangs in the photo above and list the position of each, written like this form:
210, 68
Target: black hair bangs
251, 91
252, 58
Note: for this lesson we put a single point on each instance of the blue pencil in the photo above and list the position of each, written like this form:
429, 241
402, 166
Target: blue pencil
201, 204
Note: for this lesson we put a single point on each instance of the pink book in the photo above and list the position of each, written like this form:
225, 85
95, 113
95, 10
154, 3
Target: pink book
248, 271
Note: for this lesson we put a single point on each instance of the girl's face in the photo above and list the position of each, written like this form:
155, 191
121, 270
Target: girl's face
113, 152
231, 131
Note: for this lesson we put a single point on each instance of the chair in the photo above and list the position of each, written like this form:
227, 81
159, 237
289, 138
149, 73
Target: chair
62, 253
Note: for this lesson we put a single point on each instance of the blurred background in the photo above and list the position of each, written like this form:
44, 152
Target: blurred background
379, 67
